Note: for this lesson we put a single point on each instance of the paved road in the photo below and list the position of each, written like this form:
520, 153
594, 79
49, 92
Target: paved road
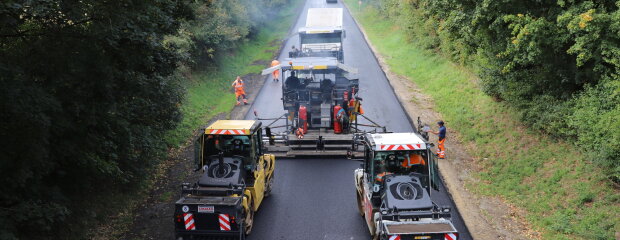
315, 198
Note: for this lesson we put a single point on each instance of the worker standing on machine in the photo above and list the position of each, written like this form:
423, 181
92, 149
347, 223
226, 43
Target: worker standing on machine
343, 118
276, 73
239, 92
441, 152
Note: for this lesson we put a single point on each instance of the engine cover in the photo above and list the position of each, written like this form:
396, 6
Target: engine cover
405, 192
229, 173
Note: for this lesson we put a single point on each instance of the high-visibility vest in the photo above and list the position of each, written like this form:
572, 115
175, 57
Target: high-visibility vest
413, 159
238, 84
380, 176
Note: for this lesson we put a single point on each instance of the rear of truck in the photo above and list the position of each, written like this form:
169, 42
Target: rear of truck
432, 229
209, 218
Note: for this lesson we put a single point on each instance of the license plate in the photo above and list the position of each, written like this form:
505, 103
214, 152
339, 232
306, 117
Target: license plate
206, 209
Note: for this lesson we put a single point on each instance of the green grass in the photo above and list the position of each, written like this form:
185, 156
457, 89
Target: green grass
563, 195
209, 92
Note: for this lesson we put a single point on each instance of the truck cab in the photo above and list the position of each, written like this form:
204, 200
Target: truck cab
323, 34
236, 176
394, 188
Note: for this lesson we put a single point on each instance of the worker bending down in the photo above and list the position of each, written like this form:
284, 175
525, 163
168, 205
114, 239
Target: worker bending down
441, 151
239, 92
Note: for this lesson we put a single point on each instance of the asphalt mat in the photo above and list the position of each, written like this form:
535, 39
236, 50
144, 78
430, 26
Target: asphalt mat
315, 198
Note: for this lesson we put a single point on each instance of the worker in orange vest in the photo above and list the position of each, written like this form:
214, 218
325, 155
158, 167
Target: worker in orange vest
381, 167
352, 108
239, 92
413, 159
275, 73
441, 152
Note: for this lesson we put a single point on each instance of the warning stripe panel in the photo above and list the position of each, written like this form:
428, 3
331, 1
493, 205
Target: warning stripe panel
390, 147
227, 132
224, 222
394, 237
450, 236
189, 221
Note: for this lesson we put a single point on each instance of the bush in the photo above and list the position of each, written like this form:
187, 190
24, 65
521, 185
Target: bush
595, 119
536, 56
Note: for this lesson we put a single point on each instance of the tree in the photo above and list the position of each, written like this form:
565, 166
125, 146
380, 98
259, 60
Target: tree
87, 94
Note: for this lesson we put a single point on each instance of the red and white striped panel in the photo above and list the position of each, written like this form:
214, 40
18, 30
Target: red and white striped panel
189, 221
450, 236
394, 237
224, 222
227, 132
392, 147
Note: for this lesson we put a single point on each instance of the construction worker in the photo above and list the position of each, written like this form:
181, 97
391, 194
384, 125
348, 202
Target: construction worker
413, 159
344, 120
382, 168
441, 152
292, 82
239, 92
294, 52
353, 109
275, 73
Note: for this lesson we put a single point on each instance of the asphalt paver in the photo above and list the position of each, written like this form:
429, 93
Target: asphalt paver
315, 198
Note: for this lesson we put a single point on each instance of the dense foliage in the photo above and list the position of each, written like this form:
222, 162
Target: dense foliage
88, 90
220, 26
557, 61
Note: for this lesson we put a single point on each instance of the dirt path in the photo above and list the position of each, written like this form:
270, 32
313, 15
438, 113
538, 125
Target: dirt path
485, 217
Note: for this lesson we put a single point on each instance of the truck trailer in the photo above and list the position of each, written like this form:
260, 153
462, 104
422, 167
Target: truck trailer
323, 34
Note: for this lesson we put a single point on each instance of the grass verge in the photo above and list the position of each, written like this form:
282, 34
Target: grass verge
208, 94
563, 194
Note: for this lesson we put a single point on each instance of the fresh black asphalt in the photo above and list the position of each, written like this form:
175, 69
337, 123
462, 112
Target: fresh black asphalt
315, 199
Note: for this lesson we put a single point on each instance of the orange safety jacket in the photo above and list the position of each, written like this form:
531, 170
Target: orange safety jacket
238, 84
380, 176
413, 159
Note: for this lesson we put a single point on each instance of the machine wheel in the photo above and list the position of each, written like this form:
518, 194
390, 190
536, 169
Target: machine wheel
269, 186
248, 220
360, 204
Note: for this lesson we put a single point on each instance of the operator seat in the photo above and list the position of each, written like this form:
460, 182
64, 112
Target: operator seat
392, 162
237, 146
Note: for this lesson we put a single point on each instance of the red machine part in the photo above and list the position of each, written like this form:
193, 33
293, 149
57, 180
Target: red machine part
337, 126
303, 118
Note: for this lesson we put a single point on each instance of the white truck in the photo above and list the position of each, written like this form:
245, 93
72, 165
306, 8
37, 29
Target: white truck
322, 35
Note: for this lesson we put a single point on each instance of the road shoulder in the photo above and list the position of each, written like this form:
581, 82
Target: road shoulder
485, 217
